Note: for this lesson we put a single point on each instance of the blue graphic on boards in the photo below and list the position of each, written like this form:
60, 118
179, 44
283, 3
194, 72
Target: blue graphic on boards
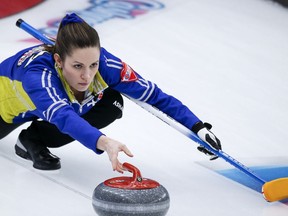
104, 10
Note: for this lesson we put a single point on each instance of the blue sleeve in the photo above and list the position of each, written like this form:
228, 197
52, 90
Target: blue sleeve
121, 77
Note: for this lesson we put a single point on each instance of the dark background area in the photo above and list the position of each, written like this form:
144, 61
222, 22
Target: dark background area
282, 2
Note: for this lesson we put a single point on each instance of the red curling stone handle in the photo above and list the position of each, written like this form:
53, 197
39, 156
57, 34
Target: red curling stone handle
136, 182
134, 170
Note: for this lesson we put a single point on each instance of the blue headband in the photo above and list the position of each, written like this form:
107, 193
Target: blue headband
71, 18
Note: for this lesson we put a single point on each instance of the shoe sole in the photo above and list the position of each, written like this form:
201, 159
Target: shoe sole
23, 154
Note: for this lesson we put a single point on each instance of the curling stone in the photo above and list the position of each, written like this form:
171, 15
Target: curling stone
127, 196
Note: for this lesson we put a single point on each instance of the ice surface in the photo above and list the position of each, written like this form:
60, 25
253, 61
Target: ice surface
225, 59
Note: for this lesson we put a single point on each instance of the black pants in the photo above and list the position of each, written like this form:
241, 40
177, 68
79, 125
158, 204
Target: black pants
101, 115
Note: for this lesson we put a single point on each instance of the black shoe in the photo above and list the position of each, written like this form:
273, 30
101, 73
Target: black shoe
40, 155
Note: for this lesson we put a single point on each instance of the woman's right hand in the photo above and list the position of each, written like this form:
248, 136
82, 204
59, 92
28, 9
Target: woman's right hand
113, 147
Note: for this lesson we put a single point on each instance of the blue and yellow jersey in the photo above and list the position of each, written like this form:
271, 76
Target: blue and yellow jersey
31, 87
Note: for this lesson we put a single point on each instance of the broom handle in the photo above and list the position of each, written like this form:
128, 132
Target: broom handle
188, 133
34, 32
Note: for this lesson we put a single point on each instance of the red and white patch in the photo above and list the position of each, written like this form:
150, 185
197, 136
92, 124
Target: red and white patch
128, 74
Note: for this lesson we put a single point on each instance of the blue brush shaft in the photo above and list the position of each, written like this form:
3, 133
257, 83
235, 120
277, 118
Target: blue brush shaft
227, 158
34, 32
182, 129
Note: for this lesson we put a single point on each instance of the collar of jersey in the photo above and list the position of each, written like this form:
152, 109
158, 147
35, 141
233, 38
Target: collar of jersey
97, 86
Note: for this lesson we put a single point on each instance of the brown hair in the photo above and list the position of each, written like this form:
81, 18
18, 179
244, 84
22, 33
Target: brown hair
74, 35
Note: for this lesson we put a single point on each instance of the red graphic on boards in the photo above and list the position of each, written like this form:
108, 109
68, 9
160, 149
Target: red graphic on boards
8, 7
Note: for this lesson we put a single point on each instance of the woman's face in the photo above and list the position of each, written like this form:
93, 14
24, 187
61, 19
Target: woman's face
80, 67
